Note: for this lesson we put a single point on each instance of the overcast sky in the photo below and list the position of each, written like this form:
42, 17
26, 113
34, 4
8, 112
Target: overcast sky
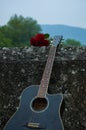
67, 12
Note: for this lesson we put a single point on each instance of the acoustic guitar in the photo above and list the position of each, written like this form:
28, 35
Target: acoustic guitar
39, 110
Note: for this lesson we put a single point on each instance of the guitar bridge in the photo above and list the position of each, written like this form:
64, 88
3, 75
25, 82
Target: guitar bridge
33, 125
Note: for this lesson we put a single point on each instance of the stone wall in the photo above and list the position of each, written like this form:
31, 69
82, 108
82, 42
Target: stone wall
22, 67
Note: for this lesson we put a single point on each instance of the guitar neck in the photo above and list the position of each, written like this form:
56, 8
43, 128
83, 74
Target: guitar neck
47, 72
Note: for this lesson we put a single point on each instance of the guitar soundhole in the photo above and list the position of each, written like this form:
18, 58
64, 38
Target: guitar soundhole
39, 104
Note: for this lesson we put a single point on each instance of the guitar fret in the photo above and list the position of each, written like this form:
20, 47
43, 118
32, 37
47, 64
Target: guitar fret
47, 72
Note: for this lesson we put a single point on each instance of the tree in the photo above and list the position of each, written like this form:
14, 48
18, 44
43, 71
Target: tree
72, 42
5, 42
19, 30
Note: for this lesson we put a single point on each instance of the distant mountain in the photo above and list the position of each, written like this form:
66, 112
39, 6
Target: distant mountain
67, 32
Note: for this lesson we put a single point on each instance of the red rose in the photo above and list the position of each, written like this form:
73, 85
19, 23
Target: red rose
39, 36
39, 40
33, 41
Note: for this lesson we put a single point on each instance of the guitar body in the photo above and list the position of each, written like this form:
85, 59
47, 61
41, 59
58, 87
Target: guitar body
45, 117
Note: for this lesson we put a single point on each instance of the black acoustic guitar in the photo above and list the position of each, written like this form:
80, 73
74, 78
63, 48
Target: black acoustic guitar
38, 109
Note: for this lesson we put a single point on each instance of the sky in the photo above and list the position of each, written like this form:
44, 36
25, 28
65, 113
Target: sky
66, 12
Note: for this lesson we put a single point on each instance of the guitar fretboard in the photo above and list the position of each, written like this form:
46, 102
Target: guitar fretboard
47, 72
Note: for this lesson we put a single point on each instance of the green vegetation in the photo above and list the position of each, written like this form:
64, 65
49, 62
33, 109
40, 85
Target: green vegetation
18, 31
71, 42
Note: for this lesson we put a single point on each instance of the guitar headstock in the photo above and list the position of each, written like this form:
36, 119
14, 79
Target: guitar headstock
57, 40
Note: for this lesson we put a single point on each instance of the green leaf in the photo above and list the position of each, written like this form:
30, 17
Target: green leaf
46, 35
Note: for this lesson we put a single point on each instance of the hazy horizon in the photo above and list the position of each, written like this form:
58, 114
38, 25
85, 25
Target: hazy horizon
68, 12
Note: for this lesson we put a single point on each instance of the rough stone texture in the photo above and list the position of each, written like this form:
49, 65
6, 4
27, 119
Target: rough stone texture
22, 67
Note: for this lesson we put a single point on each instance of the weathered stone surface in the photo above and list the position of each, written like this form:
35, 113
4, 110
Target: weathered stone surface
22, 67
